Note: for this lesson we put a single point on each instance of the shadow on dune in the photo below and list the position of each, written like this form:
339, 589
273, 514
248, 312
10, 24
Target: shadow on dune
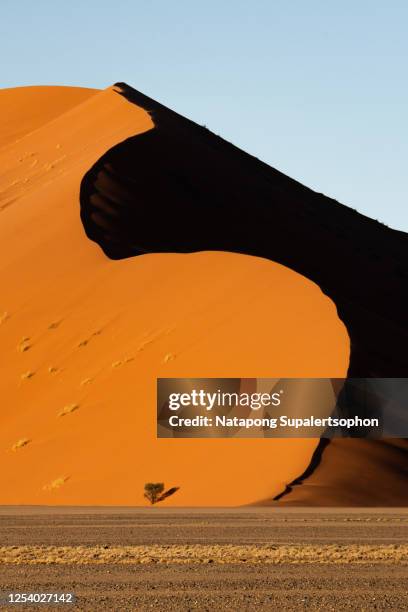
180, 188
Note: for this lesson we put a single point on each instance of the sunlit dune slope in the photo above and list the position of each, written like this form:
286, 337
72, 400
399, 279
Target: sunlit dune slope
24, 109
83, 337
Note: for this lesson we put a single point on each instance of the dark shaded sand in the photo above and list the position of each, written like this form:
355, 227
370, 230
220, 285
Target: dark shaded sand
208, 559
352, 472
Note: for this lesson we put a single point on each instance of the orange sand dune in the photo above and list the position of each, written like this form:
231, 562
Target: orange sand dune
25, 109
83, 338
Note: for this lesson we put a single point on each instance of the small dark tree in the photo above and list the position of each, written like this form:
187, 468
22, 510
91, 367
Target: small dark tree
154, 492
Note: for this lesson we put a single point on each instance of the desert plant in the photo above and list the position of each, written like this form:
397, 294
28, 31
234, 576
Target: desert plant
154, 492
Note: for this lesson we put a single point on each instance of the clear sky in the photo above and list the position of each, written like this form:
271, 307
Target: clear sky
316, 88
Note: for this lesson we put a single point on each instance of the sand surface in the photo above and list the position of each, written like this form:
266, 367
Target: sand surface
206, 559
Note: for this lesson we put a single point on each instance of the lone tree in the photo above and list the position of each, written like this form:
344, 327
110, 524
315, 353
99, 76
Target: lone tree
154, 492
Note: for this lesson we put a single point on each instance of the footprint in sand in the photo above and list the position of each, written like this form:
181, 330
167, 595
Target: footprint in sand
7, 204
24, 345
27, 375
87, 340
154, 336
86, 381
56, 484
51, 165
169, 357
20, 444
54, 324
117, 364
52, 370
26, 155
143, 345
68, 409
3, 317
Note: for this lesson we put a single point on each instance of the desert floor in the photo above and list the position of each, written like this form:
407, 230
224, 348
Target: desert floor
208, 559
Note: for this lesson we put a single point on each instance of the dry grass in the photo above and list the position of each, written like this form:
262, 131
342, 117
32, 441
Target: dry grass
197, 553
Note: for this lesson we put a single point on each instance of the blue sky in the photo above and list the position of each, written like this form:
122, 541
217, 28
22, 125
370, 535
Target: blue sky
317, 89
